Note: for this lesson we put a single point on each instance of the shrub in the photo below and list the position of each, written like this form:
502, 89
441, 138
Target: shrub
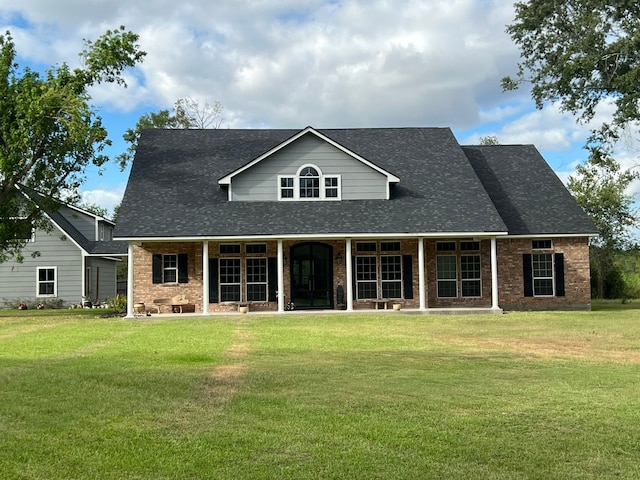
119, 303
33, 303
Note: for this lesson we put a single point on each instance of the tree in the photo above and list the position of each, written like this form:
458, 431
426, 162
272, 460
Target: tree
187, 113
94, 208
579, 53
489, 140
49, 132
191, 113
600, 187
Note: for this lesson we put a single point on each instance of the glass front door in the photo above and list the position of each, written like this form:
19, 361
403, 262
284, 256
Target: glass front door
311, 275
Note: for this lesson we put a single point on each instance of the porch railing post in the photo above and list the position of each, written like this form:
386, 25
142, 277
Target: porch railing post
280, 277
130, 281
348, 280
423, 301
205, 277
494, 274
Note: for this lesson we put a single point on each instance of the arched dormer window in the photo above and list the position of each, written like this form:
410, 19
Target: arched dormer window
309, 184
309, 180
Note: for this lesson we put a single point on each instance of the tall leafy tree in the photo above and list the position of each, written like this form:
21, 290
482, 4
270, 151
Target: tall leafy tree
187, 113
600, 186
49, 132
578, 53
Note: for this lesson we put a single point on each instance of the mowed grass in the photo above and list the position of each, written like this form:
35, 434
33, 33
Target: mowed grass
361, 396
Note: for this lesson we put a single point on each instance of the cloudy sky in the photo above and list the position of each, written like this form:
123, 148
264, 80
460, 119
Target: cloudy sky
293, 63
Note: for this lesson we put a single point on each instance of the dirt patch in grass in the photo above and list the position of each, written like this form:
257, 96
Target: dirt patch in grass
31, 329
592, 348
226, 379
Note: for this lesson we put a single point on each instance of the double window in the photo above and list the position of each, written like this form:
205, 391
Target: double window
47, 285
458, 271
309, 184
378, 270
232, 269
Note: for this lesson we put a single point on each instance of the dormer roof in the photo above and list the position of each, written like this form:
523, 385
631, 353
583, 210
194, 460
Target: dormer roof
226, 180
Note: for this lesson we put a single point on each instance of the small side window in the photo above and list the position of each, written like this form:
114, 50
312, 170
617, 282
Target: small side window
544, 244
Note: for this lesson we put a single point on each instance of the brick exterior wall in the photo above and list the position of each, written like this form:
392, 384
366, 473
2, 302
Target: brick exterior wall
510, 274
576, 275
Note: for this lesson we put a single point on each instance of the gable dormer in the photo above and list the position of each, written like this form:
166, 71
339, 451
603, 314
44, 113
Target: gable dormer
309, 167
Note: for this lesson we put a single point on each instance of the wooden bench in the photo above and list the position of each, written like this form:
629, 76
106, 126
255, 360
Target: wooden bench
177, 304
381, 303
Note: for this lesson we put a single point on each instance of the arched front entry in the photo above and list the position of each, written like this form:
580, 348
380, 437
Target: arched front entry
312, 275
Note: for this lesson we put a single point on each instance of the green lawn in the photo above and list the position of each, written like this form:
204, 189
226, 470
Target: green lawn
361, 396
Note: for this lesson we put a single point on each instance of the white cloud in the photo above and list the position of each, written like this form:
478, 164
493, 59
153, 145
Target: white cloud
294, 63
104, 198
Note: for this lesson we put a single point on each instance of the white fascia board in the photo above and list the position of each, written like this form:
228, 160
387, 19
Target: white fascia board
96, 217
555, 235
324, 236
226, 180
106, 257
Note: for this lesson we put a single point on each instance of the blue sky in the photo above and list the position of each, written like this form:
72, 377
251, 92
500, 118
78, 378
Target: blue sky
293, 63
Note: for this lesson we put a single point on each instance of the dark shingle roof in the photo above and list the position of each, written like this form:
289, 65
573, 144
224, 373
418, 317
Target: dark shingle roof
530, 198
173, 188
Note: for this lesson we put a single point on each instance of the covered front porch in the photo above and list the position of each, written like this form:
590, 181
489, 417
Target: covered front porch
323, 274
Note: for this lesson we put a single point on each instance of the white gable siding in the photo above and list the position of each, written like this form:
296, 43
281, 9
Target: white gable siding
260, 182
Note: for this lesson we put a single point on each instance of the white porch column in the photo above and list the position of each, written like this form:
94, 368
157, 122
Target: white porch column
349, 282
280, 277
423, 294
205, 277
494, 275
130, 281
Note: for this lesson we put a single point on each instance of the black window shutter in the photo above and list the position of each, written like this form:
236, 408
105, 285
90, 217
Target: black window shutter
527, 274
559, 265
156, 267
183, 268
353, 277
213, 280
407, 274
272, 278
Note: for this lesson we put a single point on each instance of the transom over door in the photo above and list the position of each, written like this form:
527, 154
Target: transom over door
312, 275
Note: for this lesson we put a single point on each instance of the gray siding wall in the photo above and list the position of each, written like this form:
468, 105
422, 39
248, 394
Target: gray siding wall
19, 280
85, 224
102, 284
260, 182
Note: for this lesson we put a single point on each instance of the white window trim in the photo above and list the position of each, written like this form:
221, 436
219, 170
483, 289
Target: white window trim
400, 280
220, 283
550, 247
438, 280
462, 280
322, 186
376, 280
165, 269
55, 282
266, 279
552, 277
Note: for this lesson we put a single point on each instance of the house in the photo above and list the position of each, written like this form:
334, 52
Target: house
350, 218
75, 261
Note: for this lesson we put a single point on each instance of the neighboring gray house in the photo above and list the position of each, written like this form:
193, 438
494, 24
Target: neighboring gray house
76, 260
349, 219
